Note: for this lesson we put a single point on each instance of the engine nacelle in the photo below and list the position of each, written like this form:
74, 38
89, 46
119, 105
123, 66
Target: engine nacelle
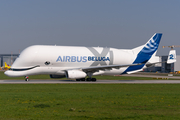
57, 76
75, 74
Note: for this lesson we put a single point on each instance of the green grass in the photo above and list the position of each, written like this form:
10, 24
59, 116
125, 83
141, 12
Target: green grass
89, 101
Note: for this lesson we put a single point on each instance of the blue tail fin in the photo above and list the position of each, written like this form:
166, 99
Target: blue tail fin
149, 49
145, 52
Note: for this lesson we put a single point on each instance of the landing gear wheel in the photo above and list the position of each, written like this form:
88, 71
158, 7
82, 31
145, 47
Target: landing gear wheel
26, 78
78, 80
93, 79
82, 79
88, 79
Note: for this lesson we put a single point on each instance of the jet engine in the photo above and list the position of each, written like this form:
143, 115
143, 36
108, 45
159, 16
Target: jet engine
75, 74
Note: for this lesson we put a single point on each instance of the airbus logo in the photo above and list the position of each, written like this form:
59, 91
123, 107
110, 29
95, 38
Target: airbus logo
81, 58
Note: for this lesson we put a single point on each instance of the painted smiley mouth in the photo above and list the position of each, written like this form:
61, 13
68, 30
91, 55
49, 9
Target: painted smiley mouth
24, 69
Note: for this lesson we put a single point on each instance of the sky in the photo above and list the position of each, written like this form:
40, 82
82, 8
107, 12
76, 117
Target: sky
122, 24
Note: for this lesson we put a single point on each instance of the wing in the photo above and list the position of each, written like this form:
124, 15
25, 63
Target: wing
107, 67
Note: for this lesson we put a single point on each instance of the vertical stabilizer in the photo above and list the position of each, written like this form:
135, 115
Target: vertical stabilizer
148, 49
145, 52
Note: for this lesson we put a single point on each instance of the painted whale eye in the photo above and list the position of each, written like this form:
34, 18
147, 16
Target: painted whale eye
47, 63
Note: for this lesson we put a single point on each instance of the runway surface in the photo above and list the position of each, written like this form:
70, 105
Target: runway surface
87, 82
153, 76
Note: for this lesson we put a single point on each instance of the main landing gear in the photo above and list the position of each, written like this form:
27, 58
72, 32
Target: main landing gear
26, 78
82, 79
91, 79
88, 79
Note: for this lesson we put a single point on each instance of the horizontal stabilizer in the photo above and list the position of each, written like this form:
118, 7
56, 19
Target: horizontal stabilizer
172, 57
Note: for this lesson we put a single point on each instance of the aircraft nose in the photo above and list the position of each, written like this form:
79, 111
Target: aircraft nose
8, 73
12, 73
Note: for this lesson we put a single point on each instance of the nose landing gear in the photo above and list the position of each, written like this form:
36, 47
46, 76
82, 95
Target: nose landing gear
26, 78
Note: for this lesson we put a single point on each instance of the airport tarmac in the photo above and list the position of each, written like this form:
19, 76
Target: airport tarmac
87, 82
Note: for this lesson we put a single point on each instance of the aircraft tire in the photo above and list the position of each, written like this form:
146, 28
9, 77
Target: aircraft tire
88, 79
93, 79
83, 79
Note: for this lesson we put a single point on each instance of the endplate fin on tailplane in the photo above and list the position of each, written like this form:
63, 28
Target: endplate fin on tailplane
171, 57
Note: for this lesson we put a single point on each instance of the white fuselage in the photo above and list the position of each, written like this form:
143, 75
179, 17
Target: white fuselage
56, 59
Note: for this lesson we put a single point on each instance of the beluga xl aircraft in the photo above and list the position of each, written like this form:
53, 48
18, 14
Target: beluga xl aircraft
84, 62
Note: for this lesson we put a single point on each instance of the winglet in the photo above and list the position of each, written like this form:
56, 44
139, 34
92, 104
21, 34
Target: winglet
171, 57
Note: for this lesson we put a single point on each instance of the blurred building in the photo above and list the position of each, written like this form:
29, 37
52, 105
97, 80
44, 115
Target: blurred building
177, 63
8, 58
